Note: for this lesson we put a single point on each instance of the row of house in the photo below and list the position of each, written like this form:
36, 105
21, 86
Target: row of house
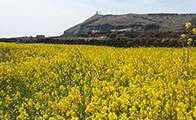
122, 30
115, 30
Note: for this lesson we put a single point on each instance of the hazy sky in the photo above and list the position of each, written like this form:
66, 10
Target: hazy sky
52, 17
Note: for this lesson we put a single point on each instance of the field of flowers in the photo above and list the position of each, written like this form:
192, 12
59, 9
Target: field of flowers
41, 81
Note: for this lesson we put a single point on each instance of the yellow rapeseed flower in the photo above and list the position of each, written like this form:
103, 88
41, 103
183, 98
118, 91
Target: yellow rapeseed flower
112, 116
194, 30
52, 118
189, 41
182, 36
111, 83
30, 102
194, 112
188, 24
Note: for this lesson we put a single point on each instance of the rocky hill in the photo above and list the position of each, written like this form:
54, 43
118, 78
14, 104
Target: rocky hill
137, 22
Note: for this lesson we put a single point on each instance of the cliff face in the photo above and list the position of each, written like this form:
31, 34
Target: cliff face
138, 22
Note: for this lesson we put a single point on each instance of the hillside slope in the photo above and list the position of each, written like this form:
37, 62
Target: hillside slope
138, 22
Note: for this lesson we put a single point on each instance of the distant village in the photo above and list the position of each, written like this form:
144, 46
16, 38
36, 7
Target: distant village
115, 30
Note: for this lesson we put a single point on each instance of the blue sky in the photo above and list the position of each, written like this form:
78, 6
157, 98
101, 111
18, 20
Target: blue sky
52, 17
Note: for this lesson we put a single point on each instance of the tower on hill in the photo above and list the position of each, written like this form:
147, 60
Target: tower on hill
97, 13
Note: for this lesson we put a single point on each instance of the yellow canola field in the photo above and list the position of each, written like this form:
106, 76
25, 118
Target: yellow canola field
48, 82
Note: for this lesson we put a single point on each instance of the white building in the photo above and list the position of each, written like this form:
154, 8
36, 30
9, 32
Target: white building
126, 29
122, 30
95, 31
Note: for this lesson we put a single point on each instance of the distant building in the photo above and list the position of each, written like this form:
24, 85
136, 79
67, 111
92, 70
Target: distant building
95, 31
114, 30
98, 13
122, 30
40, 36
125, 29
